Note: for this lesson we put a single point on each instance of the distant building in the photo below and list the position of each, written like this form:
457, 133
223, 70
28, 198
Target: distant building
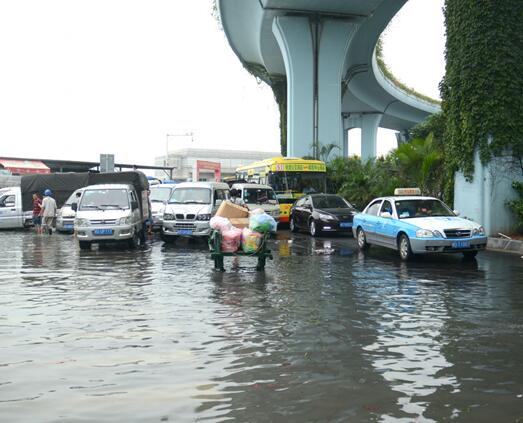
184, 161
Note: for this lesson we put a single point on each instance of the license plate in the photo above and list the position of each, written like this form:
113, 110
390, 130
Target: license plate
184, 231
68, 226
461, 244
345, 225
103, 232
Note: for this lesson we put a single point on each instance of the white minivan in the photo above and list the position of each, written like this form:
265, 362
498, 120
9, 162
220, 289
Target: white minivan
11, 212
160, 194
191, 206
257, 196
110, 212
66, 215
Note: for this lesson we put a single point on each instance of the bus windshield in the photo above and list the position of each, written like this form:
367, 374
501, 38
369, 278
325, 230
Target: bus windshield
300, 182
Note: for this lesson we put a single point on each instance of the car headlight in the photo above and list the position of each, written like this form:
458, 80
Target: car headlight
437, 234
424, 233
82, 222
326, 217
480, 231
168, 216
203, 217
127, 220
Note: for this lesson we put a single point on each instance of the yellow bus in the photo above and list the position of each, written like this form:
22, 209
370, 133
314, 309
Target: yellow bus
290, 178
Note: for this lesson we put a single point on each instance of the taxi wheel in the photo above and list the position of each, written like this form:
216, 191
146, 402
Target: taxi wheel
292, 225
362, 239
313, 230
404, 248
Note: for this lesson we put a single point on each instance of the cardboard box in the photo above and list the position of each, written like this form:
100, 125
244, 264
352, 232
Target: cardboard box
240, 222
231, 210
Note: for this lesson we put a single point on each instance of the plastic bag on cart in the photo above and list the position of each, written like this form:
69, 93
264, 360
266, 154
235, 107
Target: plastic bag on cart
231, 239
257, 211
262, 223
251, 241
221, 224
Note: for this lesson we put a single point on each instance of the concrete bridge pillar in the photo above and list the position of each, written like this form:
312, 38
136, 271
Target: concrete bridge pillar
314, 52
335, 37
294, 38
369, 124
369, 135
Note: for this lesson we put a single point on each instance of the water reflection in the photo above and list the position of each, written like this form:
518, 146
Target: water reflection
324, 334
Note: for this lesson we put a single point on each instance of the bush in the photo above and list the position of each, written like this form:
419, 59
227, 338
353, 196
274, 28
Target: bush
517, 205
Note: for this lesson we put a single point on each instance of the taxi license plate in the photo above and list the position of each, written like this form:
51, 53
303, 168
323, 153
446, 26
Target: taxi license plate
184, 231
461, 244
103, 232
345, 225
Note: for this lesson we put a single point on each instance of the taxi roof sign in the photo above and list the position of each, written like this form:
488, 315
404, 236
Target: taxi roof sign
407, 191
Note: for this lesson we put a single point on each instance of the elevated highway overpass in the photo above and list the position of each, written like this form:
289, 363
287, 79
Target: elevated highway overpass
325, 50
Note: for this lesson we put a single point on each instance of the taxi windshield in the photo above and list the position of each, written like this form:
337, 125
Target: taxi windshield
408, 209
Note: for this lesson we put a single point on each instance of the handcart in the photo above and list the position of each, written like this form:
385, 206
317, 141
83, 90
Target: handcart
215, 242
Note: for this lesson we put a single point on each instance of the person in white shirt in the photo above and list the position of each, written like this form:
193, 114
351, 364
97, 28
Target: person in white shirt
48, 212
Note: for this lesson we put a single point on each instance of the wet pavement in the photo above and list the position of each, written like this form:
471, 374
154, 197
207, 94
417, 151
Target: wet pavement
325, 334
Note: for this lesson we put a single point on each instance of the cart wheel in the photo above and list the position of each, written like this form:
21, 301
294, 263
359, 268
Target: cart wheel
261, 263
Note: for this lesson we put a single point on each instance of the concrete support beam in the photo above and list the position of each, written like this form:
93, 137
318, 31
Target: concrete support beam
369, 124
369, 135
294, 39
334, 40
484, 198
345, 142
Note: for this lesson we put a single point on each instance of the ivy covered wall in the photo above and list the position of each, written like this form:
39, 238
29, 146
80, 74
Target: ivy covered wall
482, 91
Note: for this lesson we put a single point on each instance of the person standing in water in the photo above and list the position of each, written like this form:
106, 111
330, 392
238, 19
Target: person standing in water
48, 211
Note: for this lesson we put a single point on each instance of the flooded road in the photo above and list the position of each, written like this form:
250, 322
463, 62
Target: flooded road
326, 334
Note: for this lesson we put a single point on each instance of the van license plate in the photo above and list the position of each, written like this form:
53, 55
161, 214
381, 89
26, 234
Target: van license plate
184, 231
345, 225
461, 244
68, 226
103, 232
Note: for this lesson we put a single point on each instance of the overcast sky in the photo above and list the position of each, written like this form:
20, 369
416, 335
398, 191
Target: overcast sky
84, 77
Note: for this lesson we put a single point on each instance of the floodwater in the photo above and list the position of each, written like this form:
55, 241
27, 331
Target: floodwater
326, 334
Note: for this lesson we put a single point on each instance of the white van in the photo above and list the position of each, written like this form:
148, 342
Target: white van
257, 196
160, 194
11, 213
66, 215
109, 212
191, 206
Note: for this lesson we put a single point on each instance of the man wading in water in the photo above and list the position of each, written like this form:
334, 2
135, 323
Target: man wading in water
48, 212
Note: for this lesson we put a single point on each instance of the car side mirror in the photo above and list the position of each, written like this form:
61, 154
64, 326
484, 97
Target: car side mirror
74, 207
134, 205
456, 212
386, 215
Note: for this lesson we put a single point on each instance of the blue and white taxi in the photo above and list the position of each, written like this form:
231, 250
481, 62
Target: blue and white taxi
412, 224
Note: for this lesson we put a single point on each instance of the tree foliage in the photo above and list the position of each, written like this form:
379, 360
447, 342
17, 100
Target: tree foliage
481, 90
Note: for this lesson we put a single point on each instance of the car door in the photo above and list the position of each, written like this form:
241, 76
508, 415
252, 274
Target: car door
296, 211
385, 225
10, 215
306, 212
370, 219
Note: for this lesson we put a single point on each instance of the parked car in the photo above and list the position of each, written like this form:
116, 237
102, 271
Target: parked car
160, 194
257, 196
417, 225
11, 212
319, 213
66, 215
112, 212
191, 206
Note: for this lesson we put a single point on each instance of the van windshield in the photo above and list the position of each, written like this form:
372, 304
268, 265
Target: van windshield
259, 196
160, 194
102, 199
191, 196
72, 199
